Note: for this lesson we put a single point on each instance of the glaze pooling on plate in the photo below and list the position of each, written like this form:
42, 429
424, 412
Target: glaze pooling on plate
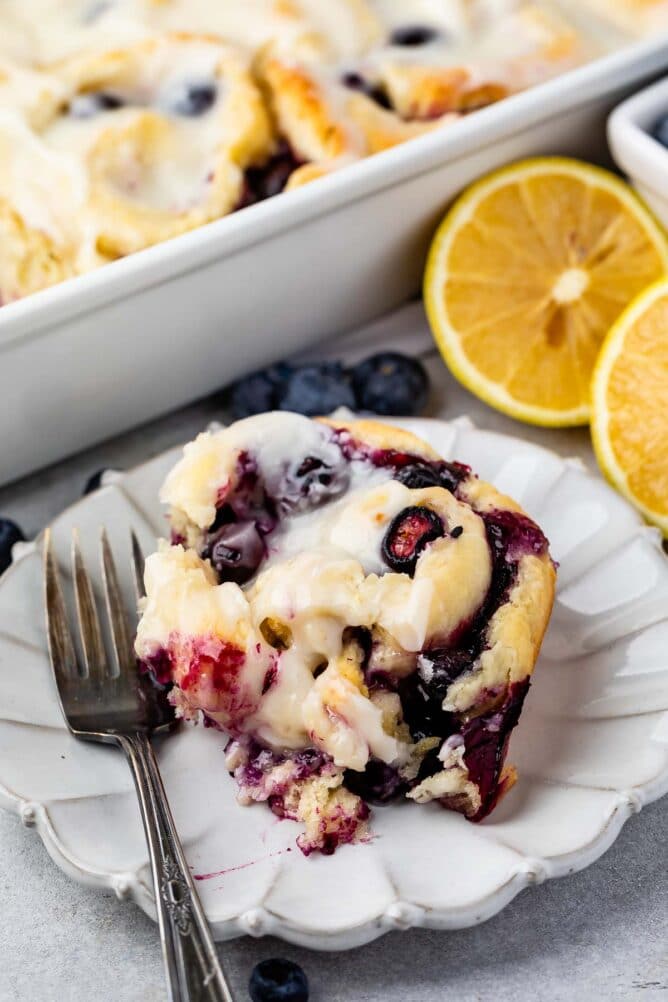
591, 750
361, 616
149, 119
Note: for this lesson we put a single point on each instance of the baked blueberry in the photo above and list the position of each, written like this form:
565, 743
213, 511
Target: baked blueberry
377, 93
235, 550
310, 483
94, 482
660, 130
9, 534
278, 980
317, 389
417, 476
87, 105
439, 668
390, 383
258, 392
193, 99
271, 178
413, 34
408, 534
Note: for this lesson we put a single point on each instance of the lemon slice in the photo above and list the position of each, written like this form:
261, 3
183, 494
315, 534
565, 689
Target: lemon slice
525, 276
630, 404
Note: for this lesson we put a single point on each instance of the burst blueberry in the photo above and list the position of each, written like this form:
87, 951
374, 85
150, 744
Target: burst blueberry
390, 383
10, 533
278, 980
408, 534
317, 389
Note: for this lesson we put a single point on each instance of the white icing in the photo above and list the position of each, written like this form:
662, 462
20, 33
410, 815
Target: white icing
324, 573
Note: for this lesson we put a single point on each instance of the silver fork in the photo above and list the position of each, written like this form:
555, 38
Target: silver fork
109, 701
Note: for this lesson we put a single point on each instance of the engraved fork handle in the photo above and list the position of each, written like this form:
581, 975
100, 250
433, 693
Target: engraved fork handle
192, 967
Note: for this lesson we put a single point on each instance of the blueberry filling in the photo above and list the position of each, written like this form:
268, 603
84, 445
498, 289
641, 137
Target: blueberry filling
408, 534
486, 742
191, 100
378, 784
418, 474
413, 35
87, 105
271, 178
377, 93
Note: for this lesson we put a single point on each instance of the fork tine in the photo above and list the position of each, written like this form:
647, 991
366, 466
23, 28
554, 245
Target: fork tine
61, 648
115, 608
95, 659
137, 566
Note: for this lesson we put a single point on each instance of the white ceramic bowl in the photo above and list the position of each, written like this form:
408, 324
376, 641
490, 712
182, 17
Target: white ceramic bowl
113, 348
636, 152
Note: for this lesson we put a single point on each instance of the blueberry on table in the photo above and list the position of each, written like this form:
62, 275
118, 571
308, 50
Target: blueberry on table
94, 482
660, 131
278, 981
259, 391
390, 383
317, 389
9, 534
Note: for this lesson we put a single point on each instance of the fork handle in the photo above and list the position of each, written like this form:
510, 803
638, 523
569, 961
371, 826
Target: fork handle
192, 967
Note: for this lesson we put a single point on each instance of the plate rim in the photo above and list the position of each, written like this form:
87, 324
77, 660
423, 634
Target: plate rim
399, 915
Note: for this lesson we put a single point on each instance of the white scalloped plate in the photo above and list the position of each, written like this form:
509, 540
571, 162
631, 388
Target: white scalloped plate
591, 748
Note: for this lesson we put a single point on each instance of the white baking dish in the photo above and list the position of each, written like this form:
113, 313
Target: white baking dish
108, 350
636, 152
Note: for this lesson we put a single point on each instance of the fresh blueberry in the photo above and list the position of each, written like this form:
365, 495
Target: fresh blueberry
87, 105
317, 389
408, 534
390, 383
660, 130
9, 534
377, 93
94, 482
278, 981
258, 392
235, 550
413, 34
193, 99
